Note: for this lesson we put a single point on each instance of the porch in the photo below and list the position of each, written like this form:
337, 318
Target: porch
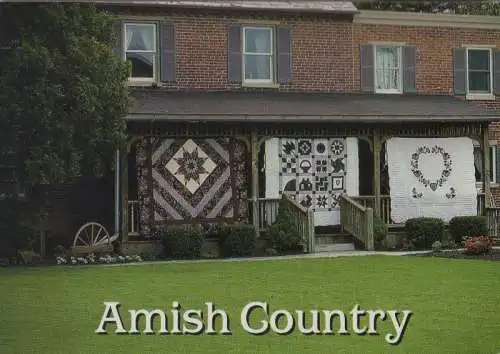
253, 119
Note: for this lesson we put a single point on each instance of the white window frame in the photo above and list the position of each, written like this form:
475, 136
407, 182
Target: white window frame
271, 55
473, 94
142, 80
400, 68
493, 168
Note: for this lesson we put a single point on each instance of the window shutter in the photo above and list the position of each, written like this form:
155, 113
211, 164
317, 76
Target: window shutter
234, 54
118, 39
497, 163
284, 55
496, 72
167, 52
459, 74
366, 59
409, 69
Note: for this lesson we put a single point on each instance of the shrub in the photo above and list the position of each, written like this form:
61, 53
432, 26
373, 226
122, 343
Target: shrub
283, 233
453, 245
182, 242
437, 246
462, 226
380, 231
478, 244
422, 232
237, 240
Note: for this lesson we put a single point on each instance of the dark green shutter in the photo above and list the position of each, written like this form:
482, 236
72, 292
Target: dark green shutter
284, 39
409, 69
496, 72
167, 52
459, 72
234, 54
366, 61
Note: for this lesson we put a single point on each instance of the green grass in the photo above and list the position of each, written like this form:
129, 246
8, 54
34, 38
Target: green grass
455, 304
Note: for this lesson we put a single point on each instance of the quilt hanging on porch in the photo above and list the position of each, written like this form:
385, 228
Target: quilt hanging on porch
313, 171
192, 179
431, 177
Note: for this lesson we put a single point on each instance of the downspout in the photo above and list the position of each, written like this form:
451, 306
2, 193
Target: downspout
117, 192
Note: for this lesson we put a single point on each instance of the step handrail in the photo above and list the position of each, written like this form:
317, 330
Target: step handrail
357, 220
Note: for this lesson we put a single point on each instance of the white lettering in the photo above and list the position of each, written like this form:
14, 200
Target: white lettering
115, 318
245, 314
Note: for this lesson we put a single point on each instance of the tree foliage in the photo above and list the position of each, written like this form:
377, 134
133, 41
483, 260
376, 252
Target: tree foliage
63, 94
464, 7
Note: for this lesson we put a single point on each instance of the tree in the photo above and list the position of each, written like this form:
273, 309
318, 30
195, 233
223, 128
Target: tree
63, 94
465, 7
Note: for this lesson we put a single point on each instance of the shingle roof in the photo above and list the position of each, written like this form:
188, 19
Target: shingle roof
284, 5
278, 106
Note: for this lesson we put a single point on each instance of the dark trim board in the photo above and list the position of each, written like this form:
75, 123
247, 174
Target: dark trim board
297, 129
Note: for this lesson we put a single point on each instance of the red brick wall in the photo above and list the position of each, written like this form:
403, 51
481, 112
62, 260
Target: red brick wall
325, 51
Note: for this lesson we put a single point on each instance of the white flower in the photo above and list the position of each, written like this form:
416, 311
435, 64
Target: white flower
73, 261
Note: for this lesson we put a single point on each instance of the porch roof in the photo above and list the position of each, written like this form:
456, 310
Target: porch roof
227, 106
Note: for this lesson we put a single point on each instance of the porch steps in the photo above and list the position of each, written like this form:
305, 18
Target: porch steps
333, 242
332, 239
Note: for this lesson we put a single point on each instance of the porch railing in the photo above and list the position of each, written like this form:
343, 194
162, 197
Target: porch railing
133, 217
493, 217
357, 220
368, 201
302, 218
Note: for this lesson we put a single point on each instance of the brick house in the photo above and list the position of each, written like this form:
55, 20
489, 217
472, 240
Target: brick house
239, 102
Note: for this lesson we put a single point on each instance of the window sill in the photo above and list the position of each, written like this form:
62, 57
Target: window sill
480, 97
141, 83
388, 92
260, 84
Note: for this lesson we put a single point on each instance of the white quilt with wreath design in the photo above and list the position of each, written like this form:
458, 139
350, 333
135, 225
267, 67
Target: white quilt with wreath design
431, 177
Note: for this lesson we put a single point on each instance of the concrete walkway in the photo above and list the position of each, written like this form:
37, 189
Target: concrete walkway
274, 258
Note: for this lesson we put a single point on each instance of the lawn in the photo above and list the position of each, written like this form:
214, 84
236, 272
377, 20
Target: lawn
455, 304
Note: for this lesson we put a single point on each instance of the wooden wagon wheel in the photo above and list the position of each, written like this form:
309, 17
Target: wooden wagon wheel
92, 234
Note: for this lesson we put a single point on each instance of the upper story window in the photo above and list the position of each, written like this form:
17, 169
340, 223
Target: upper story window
258, 55
388, 76
479, 73
140, 49
388, 68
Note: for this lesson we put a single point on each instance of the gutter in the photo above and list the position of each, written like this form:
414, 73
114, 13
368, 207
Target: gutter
242, 118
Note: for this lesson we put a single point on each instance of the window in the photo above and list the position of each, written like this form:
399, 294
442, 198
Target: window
478, 164
479, 73
258, 58
388, 78
141, 50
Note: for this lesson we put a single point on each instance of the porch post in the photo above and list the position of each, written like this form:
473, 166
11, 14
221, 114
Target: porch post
254, 146
377, 147
486, 164
124, 192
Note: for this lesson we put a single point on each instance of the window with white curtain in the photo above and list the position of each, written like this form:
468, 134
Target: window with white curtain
258, 63
388, 74
478, 163
140, 50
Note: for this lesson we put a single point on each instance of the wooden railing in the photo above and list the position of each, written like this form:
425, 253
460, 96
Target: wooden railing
268, 210
493, 217
368, 201
133, 217
357, 220
302, 218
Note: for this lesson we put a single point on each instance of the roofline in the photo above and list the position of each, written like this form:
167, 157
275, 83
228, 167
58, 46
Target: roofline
237, 118
400, 18
189, 4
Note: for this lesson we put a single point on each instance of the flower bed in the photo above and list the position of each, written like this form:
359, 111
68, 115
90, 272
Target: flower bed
93, 259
